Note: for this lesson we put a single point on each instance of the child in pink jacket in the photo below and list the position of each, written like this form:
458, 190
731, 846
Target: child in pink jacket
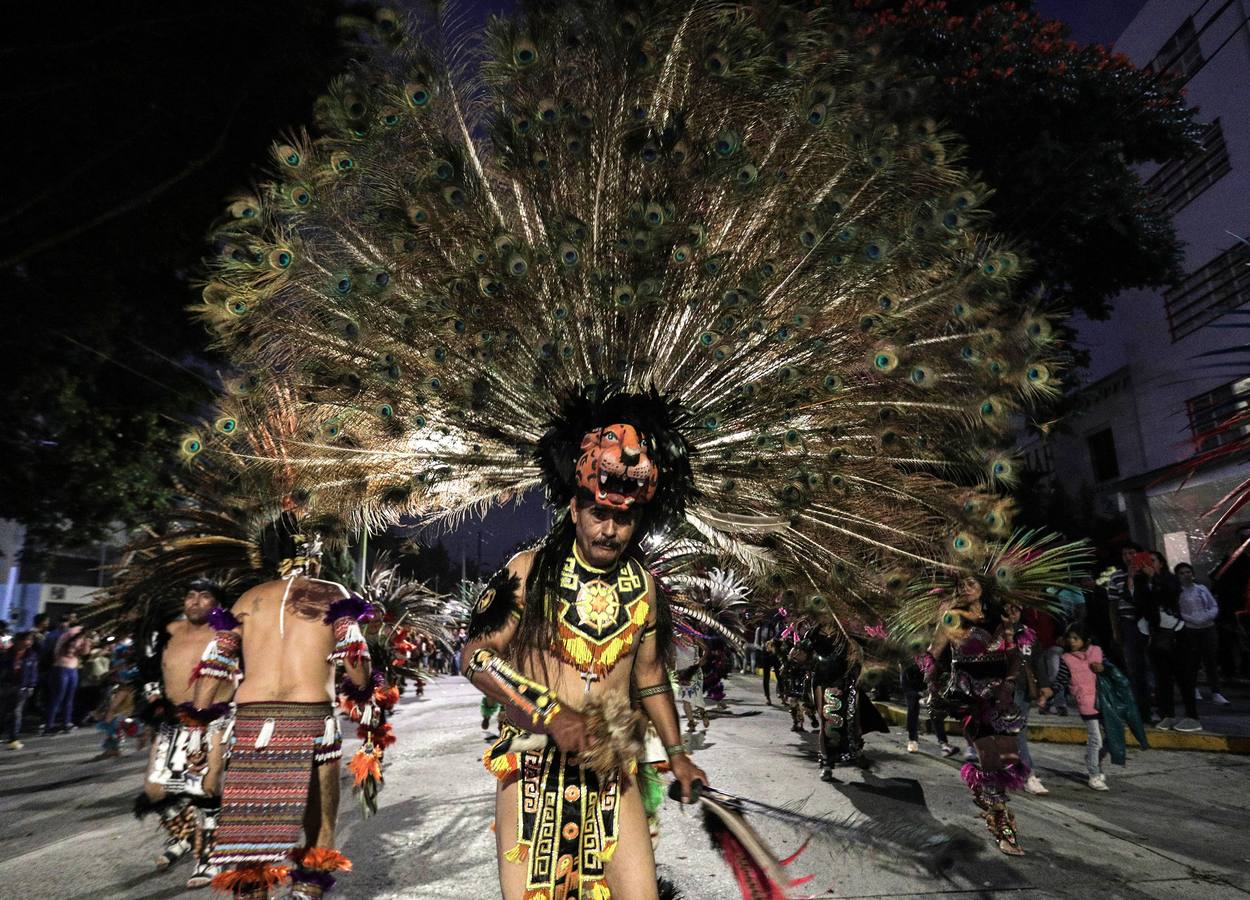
1078, 672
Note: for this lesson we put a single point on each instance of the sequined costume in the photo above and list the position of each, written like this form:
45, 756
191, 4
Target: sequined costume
973, 678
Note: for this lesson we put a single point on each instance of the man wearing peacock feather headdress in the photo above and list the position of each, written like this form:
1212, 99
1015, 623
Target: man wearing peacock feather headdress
563, 636
721, 237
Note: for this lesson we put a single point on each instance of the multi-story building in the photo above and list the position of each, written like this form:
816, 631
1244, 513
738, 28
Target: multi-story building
1153, 386
60, 583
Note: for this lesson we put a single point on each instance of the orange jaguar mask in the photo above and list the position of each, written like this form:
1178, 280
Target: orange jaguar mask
615, 467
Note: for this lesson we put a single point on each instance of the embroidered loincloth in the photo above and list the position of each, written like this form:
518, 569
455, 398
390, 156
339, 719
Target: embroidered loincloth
276, 747
567, 820
180, 761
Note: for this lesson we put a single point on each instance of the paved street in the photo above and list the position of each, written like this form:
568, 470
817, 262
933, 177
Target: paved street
1172, 826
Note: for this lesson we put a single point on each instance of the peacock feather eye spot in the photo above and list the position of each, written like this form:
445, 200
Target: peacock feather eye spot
919, 376
885, 302
707, 338
391, 118
987, 408
873, 251
950, 218
435, 383
720, 354
517, 265
292, 158
238, 307
283, 259
346, 163
344, 285
681, 253
817, 114
747, 174
443, 170
382, 279
525, 53
560, 313
454, 196
303, 198
574, 145
712, 266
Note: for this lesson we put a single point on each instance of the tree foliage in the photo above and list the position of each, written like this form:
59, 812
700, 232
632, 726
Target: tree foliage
136, 121
1055, 129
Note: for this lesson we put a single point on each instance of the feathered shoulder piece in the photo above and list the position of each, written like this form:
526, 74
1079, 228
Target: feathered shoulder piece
358, 609
221, 619
496, 604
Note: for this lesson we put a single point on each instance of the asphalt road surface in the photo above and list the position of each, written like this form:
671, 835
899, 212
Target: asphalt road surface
1173, 825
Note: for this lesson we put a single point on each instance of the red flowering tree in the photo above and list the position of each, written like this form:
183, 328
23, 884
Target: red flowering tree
1055, 128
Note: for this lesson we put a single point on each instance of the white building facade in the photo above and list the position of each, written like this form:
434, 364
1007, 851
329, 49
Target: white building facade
1150, 391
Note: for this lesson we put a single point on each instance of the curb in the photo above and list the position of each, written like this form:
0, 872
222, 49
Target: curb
1075, 734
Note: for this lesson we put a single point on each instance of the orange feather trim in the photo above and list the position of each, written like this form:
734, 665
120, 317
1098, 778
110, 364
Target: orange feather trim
234, 880
322, 859
366, 766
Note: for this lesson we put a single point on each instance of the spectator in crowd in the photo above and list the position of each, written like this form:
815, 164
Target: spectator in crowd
1199, 611
1023, 637
912, 682
1043, 664
71, 647
457, 647
1231, 580
19, 678
1078, 671
1132, 643
93, 681
1157, 593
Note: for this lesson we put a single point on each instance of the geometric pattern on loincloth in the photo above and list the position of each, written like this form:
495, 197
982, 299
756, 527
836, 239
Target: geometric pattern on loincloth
568, 824
266, 792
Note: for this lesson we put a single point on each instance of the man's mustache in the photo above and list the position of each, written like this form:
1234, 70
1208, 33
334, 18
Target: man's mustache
607, 545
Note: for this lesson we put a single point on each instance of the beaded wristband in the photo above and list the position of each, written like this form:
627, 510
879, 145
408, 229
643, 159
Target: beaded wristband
674, 749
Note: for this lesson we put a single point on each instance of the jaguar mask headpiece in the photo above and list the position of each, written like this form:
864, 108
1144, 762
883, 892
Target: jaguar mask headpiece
616, 468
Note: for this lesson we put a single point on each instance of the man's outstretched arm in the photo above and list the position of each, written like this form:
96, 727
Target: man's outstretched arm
652, 681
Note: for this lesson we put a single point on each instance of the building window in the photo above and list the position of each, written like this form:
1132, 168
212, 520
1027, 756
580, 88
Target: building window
1180, 182
1102, 455
1209, 292
1210, 410
1181, 55
1039, 459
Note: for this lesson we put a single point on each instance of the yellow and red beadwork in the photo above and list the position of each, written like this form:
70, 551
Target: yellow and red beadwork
600, 612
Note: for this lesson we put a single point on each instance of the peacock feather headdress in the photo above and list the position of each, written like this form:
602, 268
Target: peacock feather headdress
732, 220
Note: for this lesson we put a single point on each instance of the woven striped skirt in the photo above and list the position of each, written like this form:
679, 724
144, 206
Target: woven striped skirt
276, 746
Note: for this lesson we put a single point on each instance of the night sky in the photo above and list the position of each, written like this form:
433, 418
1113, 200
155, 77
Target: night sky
1092, 21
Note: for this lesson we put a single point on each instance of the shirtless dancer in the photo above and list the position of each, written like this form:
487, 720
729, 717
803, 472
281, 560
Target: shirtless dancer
183, 781
573, 620
287, 638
